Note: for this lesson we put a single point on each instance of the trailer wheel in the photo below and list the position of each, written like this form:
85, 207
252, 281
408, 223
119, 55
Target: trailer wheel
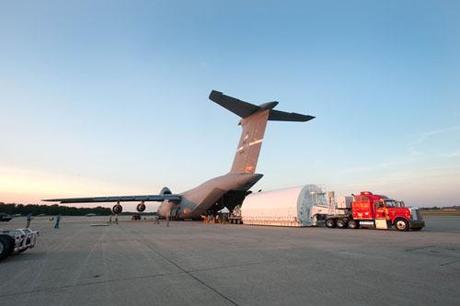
330, 223
401, 225
6, 246
341, 223
353, 224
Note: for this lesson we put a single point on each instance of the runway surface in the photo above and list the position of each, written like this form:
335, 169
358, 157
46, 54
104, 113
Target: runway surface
141, 263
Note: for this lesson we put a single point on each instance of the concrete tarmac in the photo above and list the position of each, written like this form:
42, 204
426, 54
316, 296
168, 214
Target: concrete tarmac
190, 263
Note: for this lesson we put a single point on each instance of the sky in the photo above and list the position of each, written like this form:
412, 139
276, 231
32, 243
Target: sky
111, 97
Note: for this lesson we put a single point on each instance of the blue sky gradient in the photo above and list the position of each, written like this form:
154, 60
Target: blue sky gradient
111, 97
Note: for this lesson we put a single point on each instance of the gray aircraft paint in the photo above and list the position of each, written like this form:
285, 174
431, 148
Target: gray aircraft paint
227, 190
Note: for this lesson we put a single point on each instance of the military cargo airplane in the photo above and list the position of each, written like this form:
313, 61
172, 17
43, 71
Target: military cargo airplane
228, 190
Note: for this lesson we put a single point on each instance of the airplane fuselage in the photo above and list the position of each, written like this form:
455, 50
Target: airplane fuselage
197, 201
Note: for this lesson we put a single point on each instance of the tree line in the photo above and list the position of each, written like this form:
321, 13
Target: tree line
35, 210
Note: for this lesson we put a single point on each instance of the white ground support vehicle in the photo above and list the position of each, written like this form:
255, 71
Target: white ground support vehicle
16, 241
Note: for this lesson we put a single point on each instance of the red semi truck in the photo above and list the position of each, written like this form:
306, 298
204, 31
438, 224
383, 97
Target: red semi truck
372, 210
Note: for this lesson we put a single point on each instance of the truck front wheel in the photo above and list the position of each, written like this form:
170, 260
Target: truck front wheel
330, 223
401, 225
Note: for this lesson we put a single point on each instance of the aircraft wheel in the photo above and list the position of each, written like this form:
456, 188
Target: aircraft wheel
140, 207
330, 223
117, 209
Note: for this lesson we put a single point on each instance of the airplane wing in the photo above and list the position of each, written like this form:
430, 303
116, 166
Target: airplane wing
135, 198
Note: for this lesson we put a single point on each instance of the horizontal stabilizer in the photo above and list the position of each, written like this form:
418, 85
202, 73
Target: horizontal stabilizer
246, 109
241, 108
136, 198
276, 115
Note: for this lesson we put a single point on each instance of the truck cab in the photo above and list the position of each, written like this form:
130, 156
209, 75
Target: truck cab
373, 210
372, 207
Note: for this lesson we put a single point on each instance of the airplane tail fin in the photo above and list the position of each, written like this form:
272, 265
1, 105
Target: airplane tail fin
254, 121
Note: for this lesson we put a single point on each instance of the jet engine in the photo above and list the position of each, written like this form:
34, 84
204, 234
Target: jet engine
117, 209
165, 190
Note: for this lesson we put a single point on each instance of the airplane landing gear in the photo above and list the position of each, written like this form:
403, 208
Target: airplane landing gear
140, 207
117, 209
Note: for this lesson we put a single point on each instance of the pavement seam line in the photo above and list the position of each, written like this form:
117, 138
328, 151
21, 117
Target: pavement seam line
187, 272
88, 284
82, 284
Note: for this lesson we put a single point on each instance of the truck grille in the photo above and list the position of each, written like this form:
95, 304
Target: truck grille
415, 214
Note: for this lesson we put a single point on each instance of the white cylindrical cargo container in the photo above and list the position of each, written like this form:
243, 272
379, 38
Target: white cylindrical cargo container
284, 207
